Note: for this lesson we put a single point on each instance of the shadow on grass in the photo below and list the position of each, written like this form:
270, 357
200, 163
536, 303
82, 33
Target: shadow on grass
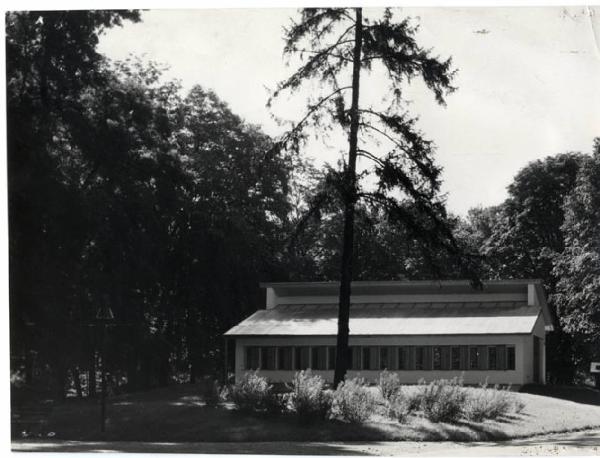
579, 394
178, 415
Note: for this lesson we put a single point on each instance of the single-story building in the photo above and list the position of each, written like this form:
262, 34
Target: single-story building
419, 329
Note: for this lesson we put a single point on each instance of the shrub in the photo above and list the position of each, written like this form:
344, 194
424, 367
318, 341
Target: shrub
443, 400
251, 393
389, 385
399, 408
413, 400
308, 397
488, 403
353, 402
276, 403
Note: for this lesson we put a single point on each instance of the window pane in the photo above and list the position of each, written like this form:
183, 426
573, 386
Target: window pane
355, 355
473, 358
437, 358
402, 360
268, 358
510, 358
252, 358
284, 358
455, 358
492, 361
301, 358
332, 355
419, 358
366, 358
384, 353
319, 358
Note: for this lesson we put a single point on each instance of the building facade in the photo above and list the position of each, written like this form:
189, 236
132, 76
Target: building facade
419, 329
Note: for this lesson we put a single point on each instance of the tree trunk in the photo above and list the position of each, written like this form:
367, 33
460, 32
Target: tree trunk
341, 363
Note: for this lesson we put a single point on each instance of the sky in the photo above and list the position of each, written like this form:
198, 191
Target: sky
528, 81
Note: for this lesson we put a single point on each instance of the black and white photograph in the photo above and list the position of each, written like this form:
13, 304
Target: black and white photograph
302, 229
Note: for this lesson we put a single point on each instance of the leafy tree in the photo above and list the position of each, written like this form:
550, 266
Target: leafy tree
169, 209
51, 59
528, 234
237, 215
342, 45
577, 268
522, 237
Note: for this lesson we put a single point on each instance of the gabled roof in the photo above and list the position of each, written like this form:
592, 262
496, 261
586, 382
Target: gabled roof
393, 319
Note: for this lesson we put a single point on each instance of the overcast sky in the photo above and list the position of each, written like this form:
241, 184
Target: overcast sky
528, 81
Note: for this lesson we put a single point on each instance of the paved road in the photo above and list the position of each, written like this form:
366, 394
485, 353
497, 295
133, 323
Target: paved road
579, 443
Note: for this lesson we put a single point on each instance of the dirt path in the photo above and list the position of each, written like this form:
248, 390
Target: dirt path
579, 443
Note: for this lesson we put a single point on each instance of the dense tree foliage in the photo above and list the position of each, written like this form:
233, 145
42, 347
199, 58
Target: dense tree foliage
577, 268
525, 237
170, 210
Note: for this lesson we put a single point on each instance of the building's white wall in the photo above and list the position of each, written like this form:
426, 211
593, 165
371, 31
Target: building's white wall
522, 374
539, 331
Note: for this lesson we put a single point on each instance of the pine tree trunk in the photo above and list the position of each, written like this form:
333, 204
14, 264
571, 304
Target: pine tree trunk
341, 363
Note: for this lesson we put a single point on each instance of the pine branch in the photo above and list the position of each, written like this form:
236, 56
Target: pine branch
313, 109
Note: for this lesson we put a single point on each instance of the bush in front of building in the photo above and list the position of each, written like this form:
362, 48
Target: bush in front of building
389, 385
486, 403
353, 401
253, 393
276, 403
399, 408
308, 397
443, 400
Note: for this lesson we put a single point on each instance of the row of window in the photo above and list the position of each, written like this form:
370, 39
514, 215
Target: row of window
460, 357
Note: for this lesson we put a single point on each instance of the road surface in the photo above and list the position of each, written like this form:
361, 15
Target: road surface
577, 443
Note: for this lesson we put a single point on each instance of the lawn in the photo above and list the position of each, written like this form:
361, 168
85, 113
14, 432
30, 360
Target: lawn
178, 414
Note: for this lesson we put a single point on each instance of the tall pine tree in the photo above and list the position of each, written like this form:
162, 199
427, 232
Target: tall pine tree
341, 44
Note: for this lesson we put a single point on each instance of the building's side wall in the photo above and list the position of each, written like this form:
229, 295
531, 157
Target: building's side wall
522, 373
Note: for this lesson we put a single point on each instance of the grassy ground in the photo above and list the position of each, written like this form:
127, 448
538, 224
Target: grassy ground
177, 414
